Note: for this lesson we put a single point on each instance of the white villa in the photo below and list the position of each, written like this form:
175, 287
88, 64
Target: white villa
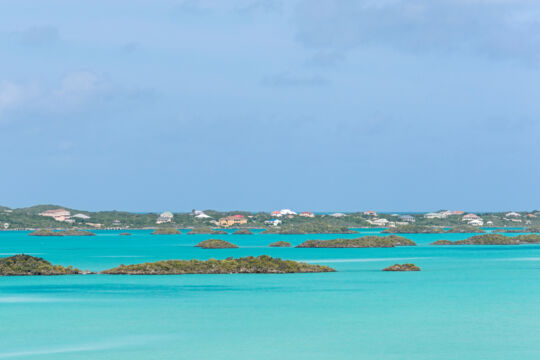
81, 216
476, 222
200, 214
435, 215
283, 212
379, 222
57, 214
274, 222
165, 217
470, 217
513, 214
407, 218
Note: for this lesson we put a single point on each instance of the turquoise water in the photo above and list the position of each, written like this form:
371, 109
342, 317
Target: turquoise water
468, 302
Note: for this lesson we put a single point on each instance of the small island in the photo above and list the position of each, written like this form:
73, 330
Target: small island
413, 229
216, 244
361, 242
527, 230
528, 239
402, 267
166, 231
280, 244
25, 265
444, 242
206, 231
243, 232
464, 229
309, 228
263, 264
61, 233
493, 239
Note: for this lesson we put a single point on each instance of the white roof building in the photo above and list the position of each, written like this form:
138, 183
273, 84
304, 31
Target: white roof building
407, 218
274, 222
379, 222
57, 214
435, 216
164, 217
513, 214
81, 216
476, 222
338, 215
202, 215
287, 212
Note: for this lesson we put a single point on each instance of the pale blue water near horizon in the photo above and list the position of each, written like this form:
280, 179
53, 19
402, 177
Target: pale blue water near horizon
468, 302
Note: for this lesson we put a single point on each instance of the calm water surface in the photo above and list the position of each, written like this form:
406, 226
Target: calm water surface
468, 302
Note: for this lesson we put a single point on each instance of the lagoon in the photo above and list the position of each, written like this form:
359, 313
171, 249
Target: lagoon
468, 302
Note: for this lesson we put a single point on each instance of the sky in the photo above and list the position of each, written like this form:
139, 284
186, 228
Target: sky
328, 105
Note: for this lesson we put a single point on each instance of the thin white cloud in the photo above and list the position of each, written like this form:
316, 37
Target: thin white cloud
498, 28
75, 89
37, 35
14, 95
10, 95
290, 80
78, 87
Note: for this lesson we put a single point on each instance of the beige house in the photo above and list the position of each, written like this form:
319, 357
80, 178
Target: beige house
232, 220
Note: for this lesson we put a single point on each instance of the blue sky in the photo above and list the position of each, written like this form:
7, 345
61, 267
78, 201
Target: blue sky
397, 105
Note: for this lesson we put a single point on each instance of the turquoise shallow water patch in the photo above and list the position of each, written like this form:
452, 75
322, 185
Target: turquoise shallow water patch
468, 302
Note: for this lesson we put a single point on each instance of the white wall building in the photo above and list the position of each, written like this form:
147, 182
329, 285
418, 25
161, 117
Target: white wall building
379, 222
470, 217
274, 222
202, 215
476, 222
165, 217
57, 214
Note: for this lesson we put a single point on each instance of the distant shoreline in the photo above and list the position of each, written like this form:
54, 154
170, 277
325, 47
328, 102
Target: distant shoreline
285, 221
